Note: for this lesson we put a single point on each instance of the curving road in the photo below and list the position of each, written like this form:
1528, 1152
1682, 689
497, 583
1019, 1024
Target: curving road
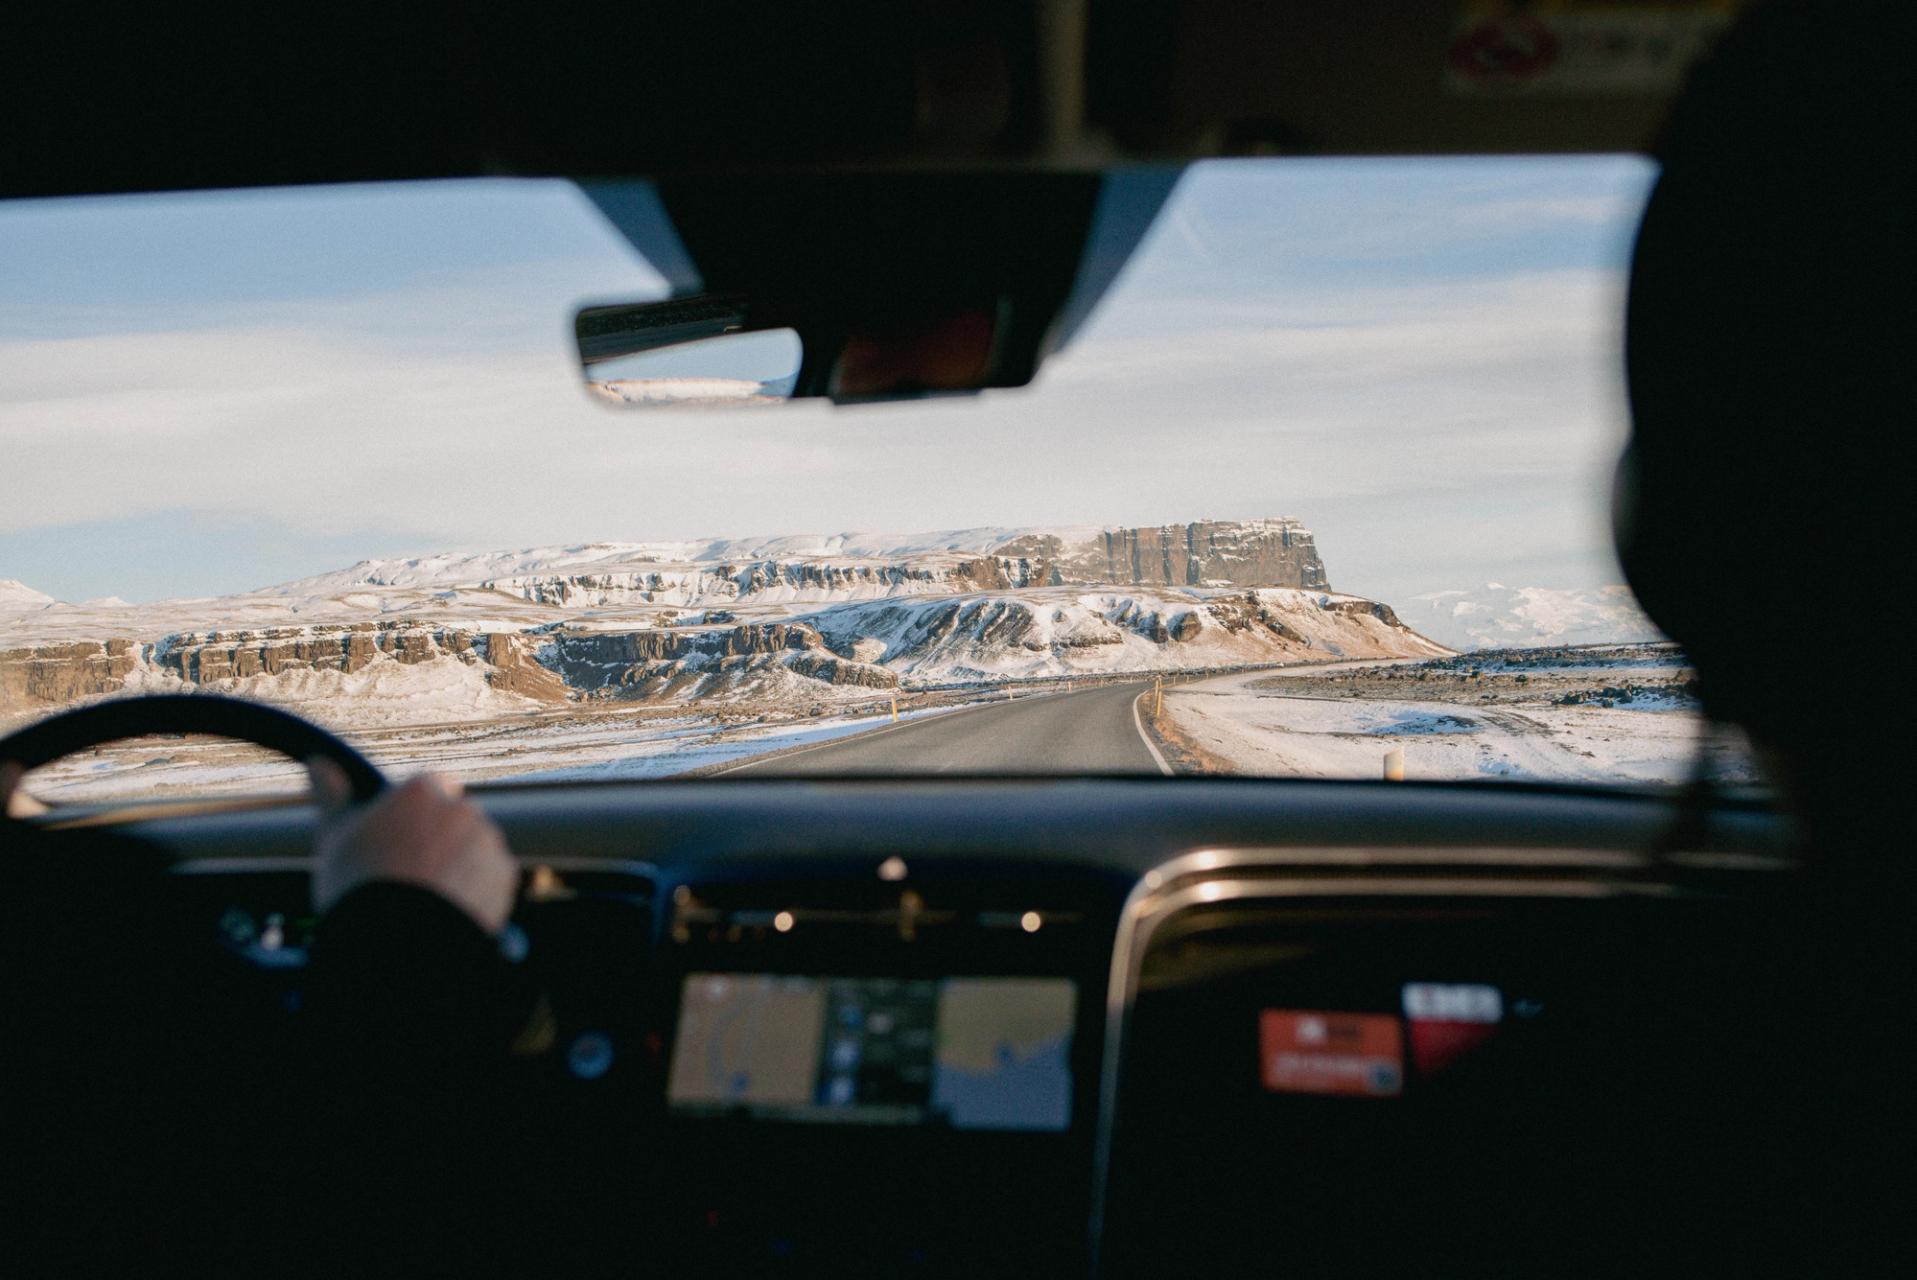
1086, 731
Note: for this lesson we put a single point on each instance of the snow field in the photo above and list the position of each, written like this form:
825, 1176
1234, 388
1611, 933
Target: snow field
1261, 732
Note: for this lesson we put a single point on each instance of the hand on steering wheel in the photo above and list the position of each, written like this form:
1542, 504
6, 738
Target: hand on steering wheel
423, 832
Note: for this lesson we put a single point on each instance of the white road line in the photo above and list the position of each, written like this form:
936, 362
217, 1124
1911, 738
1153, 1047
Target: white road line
860, 735
1146, 738
775, 755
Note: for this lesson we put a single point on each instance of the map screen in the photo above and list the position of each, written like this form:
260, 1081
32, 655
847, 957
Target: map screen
969, 1053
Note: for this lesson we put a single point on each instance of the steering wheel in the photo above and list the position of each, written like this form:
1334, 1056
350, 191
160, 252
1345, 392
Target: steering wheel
209, 713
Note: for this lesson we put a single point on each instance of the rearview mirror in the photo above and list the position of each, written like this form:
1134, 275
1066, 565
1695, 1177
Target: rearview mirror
709, 350
688, 352
882, 286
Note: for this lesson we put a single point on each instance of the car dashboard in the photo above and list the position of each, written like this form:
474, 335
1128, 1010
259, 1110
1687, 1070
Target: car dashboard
1098, 1026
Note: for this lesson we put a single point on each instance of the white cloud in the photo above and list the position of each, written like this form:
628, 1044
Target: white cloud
1404, 423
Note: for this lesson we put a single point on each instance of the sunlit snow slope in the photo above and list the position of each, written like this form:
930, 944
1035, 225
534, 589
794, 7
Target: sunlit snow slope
773, 620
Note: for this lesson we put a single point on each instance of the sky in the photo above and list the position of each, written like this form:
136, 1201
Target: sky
213, 392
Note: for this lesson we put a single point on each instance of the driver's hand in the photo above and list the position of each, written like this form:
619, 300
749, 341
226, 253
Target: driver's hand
14, 801
423, 832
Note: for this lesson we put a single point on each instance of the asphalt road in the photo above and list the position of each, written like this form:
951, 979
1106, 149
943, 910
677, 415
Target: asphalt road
1087, 731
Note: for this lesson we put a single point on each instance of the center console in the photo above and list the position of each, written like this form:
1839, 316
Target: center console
888, 1073
1324, 1061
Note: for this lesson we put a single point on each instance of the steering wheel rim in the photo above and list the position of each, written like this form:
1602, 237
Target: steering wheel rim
218, 715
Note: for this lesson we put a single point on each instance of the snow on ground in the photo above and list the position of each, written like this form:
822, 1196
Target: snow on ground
1262, 731
1065, 631
1495, 615
567, 747
684, 392
383, 693
637, 583
459, 568
15, 594
602, 586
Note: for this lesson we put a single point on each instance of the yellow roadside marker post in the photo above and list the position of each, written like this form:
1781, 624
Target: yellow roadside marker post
1394, 765
895, 708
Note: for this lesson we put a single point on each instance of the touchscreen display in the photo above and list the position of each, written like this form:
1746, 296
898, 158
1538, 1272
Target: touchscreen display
970, 1053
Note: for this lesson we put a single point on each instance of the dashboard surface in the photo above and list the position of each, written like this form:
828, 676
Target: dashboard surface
846, 1023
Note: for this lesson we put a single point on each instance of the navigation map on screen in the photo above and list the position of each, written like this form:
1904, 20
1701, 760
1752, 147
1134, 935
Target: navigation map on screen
971, 1053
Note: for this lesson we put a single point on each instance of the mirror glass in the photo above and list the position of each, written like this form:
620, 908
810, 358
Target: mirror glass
756, 367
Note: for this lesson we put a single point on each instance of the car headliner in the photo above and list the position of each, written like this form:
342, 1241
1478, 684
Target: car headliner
174, 100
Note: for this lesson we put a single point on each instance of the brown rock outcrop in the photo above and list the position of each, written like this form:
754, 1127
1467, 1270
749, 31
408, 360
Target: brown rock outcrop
1250, 553
206, 657
683, 661
516, 669
55, 674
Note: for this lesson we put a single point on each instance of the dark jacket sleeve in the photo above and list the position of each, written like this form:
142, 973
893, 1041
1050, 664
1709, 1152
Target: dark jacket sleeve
402, 981
413, 1091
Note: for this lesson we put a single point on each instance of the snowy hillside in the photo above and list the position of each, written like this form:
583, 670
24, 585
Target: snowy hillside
18, 595
792, 620
1056, 632
450, 569
1081, 546
1496, 616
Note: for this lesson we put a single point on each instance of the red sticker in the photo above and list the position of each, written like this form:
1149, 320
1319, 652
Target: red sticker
1436, 1045
1340, 1054
1449, 1021
1505, 51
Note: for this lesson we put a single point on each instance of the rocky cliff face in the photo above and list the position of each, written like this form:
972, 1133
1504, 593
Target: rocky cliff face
805, 580
1254, 553
1075, 631
543, 667
459, 636
49, 675
207, 658
679, 663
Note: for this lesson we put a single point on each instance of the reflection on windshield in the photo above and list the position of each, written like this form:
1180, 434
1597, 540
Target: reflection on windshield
1317, 491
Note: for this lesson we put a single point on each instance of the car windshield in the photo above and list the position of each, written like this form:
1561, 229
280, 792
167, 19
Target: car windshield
1318, 489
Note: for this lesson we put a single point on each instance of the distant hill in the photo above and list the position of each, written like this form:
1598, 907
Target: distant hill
1495, 616
773, 620
1253, 553
15, 594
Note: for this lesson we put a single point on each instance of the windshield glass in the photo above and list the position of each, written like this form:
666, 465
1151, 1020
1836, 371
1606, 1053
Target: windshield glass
1319, 489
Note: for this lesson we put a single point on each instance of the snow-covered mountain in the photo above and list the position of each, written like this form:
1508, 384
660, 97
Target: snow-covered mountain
15, 594
789, 619
1495, 616
1072, 632
411, 671
1278, 553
